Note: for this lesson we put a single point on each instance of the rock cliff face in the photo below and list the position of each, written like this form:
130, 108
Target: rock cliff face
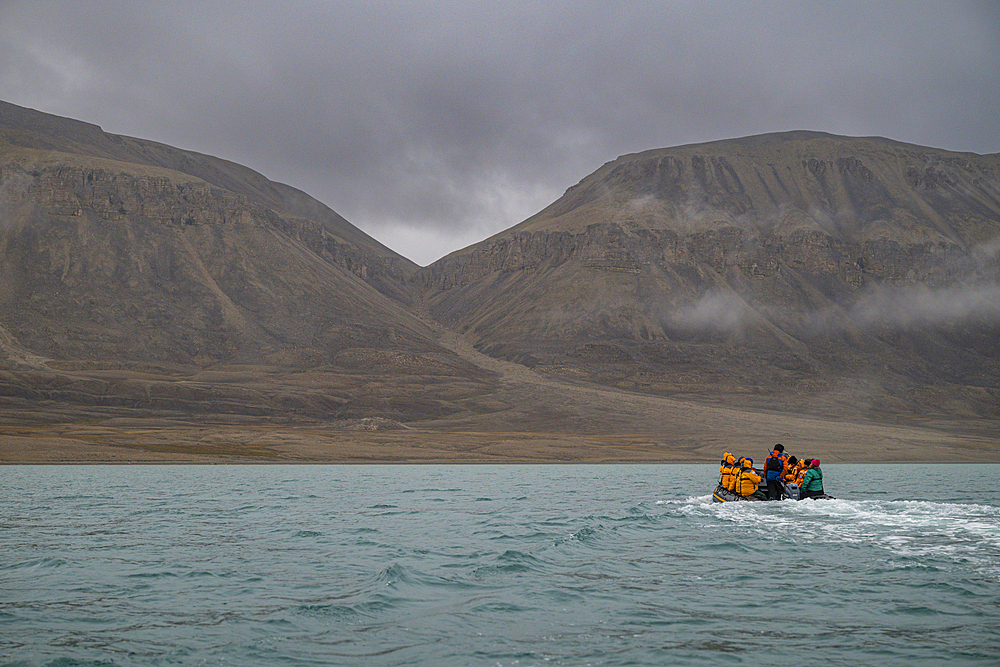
798, 272
64, 191
799, 264
133, 273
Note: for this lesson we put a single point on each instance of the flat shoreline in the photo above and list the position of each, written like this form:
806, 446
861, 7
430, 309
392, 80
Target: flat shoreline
426, 463
318, 444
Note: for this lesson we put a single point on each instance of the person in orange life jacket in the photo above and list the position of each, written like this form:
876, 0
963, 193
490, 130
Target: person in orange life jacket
789, 474
775, 465
812, 481
748, 481
801, 468
727, 471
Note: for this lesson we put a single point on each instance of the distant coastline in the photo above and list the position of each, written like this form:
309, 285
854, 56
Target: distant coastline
275, 446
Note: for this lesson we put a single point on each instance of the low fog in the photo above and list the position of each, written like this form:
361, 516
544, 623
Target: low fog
878, 306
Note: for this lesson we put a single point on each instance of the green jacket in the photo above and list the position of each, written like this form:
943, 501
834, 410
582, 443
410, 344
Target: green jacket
813, 480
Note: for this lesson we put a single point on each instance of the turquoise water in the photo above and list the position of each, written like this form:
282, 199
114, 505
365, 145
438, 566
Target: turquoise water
494, 565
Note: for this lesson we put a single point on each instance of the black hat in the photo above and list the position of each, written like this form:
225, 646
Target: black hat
779, 447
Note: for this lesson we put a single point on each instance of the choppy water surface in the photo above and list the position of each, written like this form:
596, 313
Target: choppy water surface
493, 565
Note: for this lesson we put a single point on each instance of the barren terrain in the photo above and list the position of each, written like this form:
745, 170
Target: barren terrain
531, 418
836, 294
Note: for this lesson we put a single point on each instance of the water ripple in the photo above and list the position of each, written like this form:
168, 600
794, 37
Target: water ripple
526, 565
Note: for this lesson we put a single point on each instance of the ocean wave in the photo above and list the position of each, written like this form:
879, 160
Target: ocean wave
598, 564
41, 562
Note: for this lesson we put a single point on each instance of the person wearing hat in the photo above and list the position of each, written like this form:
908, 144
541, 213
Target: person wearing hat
799, 469
775, 465
791, 466
727, 471
812, 481
748, 481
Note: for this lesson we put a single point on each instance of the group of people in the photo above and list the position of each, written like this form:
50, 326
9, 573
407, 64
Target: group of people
739, 475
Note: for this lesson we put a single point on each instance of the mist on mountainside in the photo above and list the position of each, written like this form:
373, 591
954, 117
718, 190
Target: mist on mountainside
798, 269
780, 265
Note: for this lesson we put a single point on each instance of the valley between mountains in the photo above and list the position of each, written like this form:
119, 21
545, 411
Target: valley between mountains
528, 418
840, 295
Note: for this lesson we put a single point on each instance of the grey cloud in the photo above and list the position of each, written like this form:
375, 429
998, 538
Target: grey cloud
879, 307
904, 306
713, 311
402, 115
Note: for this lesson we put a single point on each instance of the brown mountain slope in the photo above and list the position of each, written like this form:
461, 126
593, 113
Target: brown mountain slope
30, 137
138, 275
799, 270
148, 294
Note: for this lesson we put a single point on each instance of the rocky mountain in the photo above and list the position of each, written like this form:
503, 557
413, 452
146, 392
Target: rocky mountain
797, 271
134, 274
800, 273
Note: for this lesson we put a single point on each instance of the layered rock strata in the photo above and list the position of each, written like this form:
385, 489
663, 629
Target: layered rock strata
795, 263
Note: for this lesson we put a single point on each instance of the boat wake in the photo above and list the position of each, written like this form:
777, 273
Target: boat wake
908, 530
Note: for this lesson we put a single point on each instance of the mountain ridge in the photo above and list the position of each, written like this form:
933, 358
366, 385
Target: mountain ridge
91, 140
132, 269
766, 270
849, 281
824, 156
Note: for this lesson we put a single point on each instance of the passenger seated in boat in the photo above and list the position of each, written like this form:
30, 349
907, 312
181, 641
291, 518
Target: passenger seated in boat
727, 471
800, 469
789, 474
748, 481
812, 481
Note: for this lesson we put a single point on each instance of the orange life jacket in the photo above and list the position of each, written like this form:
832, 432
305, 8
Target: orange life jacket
748, 482
727, 471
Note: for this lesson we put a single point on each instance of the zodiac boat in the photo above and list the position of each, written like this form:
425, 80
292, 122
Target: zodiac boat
721, 495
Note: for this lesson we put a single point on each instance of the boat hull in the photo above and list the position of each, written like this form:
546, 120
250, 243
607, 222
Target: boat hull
721, 495
791, 491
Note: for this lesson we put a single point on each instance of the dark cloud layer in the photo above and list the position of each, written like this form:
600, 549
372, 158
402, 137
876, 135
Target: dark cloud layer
434, 124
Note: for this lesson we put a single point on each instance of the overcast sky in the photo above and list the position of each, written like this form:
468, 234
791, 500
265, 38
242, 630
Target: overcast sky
432, 125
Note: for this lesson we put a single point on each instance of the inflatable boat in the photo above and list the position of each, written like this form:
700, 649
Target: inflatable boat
721, 495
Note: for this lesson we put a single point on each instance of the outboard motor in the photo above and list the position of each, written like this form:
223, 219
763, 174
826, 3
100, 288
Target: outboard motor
792, 490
